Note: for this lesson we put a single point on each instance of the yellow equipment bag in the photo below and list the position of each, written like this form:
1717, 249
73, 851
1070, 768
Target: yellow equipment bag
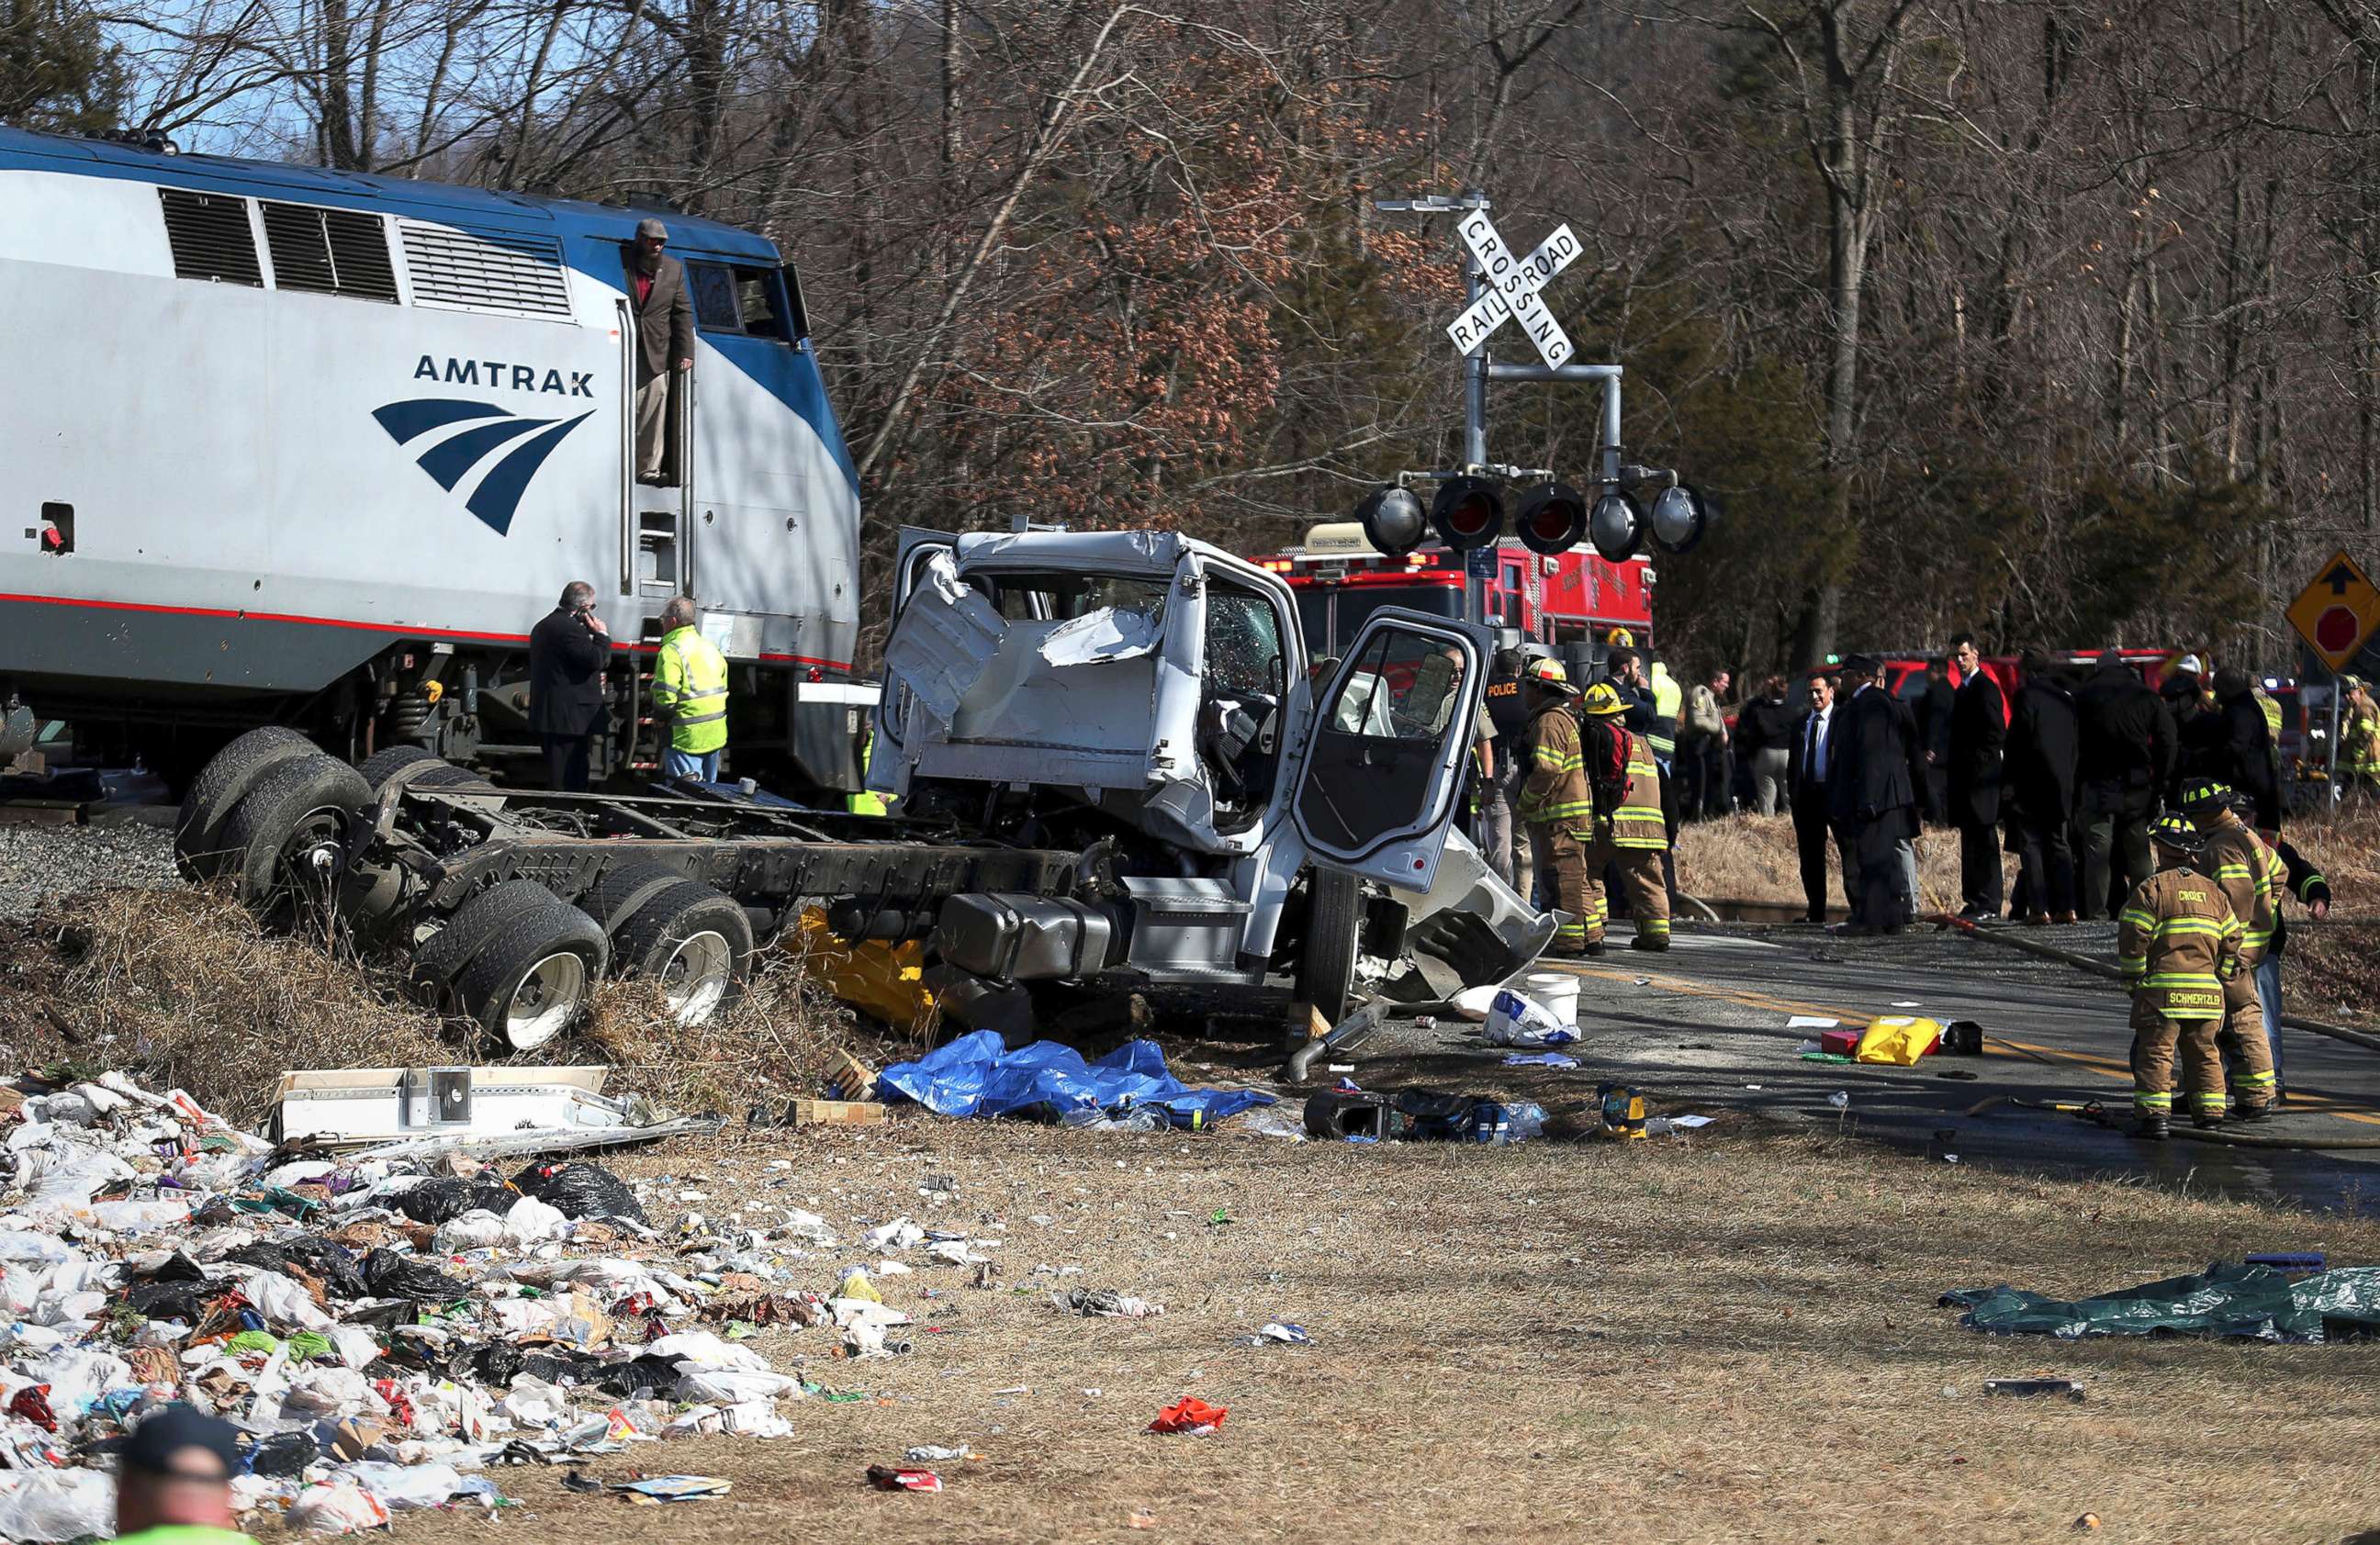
1897, 1039
880, 980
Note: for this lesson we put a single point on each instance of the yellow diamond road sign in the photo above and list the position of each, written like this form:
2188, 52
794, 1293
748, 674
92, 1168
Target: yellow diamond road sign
2337, 612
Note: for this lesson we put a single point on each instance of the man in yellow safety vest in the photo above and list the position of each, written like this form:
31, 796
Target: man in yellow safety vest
690, 690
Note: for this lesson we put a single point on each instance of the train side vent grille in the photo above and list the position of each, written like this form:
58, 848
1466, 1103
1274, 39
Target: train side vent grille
521, 275
211, 237
330, 251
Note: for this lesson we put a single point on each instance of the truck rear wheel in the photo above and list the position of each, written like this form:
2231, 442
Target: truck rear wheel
286, 840
440, 958
231, 773
533, 978
1334, 918
694, 942
381, 765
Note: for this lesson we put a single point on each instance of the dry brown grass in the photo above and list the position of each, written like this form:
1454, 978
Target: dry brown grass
179, 987
1753, 857
1731, 1341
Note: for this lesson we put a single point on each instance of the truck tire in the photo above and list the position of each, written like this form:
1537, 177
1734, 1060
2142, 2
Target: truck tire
452, 780
616, 897
532, 980
441, 958
1334, 919
381, 765
232, 772
283, 843
692, 941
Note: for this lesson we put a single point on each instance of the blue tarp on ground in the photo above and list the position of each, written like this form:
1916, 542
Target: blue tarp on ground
978, 1075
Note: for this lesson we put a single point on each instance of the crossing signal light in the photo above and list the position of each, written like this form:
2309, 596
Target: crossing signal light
1679, 519
1468, 513
1617, 526
1552, 518
1393, 520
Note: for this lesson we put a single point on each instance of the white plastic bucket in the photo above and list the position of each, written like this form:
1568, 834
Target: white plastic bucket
1558, 990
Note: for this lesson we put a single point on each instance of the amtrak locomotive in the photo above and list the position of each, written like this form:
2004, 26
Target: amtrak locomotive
317, 448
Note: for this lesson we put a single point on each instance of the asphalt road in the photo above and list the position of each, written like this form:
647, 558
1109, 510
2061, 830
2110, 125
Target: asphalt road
1707, 1025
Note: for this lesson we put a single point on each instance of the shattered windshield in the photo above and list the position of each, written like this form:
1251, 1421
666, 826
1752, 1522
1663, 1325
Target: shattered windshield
1060, 598
1243, 655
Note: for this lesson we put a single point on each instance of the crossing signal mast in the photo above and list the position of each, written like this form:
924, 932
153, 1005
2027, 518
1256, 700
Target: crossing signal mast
1466, 510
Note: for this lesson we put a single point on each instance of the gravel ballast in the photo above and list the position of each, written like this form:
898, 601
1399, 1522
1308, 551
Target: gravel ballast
38, 862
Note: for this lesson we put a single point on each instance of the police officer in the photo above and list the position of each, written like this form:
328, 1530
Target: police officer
2178, 944
1555, 803
2254, 878
1506, 845
1629, 834
690, 688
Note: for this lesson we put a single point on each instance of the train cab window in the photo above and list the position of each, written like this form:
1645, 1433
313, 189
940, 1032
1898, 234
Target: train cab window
731, 298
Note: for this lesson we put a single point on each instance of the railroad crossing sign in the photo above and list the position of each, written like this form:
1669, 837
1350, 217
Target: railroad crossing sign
2337, 612
1513, 285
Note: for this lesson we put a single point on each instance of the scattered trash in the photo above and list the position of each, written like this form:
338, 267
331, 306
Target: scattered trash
1104, 1305
1811, 1022
2254, 1302
1221, 1218
2088, 1521
1622, 1109
1190, 1416
351, 1105
888, 1478
978, 1075
1839, 1042
1540, 1059
1141, 1518
1276, 1333
937, 1454
2072, 1389
671, 1488
1840, 1099
1515, 1021
332, 1507
1474, 1003
1351, 1115
1962, 1038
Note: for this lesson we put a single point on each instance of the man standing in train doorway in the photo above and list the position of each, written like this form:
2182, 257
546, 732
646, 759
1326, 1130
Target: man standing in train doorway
665, 342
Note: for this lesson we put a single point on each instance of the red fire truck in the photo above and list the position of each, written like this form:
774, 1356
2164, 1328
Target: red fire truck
1570, 598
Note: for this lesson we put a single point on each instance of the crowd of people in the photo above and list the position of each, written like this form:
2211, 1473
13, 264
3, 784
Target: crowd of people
2158, 807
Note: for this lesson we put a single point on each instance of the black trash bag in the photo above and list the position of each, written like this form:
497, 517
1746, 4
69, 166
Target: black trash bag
495, 1363
580, 1190
316, 1257
445, 1197
392, 1275
624, 1379
284, 1453
171, 1299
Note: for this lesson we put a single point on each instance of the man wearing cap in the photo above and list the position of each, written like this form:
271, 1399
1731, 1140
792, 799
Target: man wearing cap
2177, 944
664, 340
1557, 808
172, 1485
1630, 837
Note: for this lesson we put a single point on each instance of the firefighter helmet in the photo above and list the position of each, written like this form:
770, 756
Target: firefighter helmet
1603, 701
2178, 833
1546, 672
2204, 793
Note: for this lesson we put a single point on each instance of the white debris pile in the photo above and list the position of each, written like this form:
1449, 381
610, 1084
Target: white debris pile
380, 1330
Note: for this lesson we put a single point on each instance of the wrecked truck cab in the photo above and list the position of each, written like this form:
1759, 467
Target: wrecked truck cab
1147, 695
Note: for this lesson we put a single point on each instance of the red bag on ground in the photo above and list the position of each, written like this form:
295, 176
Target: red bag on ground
1190, 1415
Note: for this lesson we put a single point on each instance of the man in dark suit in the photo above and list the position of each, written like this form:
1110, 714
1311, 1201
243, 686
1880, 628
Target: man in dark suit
1872, 791
1809, 762
664, 340
2044, 747
1978, 728
567, 650
1931, 707
2125, 760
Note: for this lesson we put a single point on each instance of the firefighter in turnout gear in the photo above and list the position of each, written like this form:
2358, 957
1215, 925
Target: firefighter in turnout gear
1629, 832
2177, 944
2254, 879
1557, 808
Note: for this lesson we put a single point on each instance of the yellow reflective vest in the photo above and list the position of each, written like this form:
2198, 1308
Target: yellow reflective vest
691, 686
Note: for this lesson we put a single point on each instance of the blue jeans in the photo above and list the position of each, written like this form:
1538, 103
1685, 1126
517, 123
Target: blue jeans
700, 765
2268, 998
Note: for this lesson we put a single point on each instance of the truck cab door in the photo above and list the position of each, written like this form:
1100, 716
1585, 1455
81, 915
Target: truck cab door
896, 703
1378, 778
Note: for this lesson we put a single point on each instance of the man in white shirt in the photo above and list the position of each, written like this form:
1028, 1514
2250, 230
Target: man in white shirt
1809, 760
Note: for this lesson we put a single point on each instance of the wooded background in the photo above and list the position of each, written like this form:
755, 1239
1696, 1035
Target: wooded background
2058, 321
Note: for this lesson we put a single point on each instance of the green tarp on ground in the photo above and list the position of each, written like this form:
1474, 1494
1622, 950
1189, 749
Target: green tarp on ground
2224, 1300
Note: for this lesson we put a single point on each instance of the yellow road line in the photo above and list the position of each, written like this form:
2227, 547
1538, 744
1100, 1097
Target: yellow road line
1998, 1045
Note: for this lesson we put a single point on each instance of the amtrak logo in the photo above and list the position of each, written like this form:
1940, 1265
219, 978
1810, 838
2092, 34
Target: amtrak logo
524, 444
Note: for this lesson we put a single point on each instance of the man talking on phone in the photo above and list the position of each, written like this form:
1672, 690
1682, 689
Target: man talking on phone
567, 651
